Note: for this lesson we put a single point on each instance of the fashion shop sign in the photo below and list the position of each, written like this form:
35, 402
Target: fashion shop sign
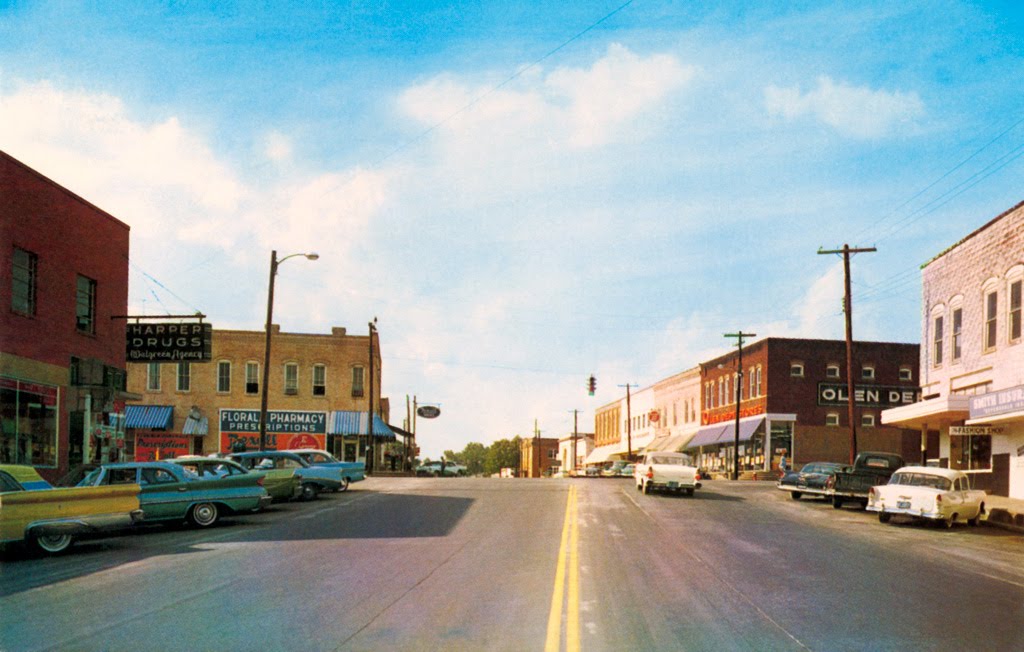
883, 396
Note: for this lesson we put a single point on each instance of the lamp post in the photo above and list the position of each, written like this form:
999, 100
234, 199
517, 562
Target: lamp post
274, 262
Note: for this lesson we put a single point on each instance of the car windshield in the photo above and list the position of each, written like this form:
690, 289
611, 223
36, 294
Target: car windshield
922, 480
90, 478
682, 460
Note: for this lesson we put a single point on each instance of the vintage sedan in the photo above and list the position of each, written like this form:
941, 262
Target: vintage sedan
929, 494
312, 479
170, 493
812, 479
350, 471
50, 519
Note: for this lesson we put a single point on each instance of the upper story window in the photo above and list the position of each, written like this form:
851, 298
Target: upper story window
958, 326
23, 281
223, 377
867, 372
319, 380
357, 381
906, 373
184, 376
85, 305
739, 387
991, 319
867, 420
291, 378
721, 392
832, 371
832, 419
759, 393
938, 337
796, 369
153, 377
252, 378
750, 385
1013, 322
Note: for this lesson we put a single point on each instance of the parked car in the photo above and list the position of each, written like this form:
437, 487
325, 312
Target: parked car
666, 471
627, 470
612, 469
852, 483
282, 484
593, 471
169, 493
434, 469
812, 479
929, 494
49, 519
350, 471
312, 479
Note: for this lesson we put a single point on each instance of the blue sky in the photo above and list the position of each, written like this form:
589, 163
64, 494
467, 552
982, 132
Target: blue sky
525, 194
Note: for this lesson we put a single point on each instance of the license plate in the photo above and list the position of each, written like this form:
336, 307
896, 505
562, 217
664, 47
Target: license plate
672, 484
903, 504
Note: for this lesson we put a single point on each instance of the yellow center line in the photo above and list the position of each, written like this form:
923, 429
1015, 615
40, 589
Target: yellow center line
567, 555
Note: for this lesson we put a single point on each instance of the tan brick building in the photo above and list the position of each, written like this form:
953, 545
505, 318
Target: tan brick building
537, 456
318, 396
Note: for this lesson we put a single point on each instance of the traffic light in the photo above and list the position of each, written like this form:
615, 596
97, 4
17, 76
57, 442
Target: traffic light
591, 385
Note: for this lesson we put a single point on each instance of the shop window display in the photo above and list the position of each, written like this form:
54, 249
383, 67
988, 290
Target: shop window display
28, 423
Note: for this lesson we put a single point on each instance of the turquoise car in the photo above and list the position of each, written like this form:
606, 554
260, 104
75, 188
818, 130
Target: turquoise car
170, 493
312, 479
350, 471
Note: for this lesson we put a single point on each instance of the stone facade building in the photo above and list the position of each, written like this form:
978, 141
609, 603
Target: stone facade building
971, 416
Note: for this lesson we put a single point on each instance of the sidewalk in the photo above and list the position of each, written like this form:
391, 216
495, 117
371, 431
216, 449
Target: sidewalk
1007, 513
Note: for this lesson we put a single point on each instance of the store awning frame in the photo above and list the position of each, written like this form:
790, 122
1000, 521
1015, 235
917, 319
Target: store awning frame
148, 417
354, 423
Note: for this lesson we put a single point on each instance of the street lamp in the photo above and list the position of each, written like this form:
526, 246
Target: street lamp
274, 262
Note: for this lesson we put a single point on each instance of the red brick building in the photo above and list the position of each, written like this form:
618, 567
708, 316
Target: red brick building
537, 456
62, 358
793, 400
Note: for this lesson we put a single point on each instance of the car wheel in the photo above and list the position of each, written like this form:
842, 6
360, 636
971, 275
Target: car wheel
948, 521
203, 515
977, 517
344, 484
795, 494
53, 544
687, 492
884, 517
639, 486
309, 491
647, 487
837, 502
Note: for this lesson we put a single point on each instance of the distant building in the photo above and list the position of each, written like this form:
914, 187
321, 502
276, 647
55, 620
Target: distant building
971, 416
677, 400
573, 450
623, 428
62, 353
318, 397
538, 456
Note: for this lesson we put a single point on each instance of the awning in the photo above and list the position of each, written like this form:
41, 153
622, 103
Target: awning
200, 426
602, 454
148, 417
351, 422
747, 430
706, 435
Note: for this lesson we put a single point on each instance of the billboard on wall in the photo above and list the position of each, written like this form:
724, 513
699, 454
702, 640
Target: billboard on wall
168, 342
286, 429
996, 403
882, 396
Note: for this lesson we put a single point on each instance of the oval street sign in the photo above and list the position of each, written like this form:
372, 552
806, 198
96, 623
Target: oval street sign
428, 411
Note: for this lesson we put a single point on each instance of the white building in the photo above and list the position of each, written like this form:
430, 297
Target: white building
971, 415
677, 401
582, 443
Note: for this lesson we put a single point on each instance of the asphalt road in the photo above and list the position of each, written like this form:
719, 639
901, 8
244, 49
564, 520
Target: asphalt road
506, 564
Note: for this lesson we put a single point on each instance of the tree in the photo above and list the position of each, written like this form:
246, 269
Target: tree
503, 453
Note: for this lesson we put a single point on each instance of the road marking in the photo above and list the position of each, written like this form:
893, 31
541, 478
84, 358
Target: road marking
568, 564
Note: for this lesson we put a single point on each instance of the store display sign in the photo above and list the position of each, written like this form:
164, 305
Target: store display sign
994, 403
285, 429
169, 342
868, 395
160, 447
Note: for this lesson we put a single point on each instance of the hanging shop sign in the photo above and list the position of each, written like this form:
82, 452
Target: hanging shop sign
428, 412
867, 395
285, 429
995, 403
169, 342
653, 416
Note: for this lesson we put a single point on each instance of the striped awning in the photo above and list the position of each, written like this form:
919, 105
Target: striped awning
149, 417
350, 422
200, 426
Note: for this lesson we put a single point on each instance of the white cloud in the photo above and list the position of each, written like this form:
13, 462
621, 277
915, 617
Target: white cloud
278, 147
856, 111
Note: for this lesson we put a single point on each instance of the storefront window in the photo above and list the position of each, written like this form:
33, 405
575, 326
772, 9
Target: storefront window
28, 423
970, 452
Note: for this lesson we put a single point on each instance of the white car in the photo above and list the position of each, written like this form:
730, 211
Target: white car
928, 493
667, 471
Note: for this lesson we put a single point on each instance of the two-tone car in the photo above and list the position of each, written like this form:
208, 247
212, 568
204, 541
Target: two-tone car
350, 471
312, 479
666, 471
49, 519
928, 494
169, 493
812, 479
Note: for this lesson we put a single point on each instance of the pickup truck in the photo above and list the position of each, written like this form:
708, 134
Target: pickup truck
666, 471
853, 483
49, 519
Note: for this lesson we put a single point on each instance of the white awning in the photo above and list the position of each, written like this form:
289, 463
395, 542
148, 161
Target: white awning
602, 454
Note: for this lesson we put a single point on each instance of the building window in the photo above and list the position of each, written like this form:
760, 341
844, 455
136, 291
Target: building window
319, 380
758, 380
153, 377
291, 378
991, 312
1014, 317
867, 420
937, 339
739, 387
252, 378
867, 372
28, 412
357, 382
970, 452
796, 369
85, 305
958, 324
750, 385
832, 419
23, 281
906, 373
184, 376
223, 377
832, 371
721, 392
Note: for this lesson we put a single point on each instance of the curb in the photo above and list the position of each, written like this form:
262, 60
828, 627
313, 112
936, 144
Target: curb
1002, 518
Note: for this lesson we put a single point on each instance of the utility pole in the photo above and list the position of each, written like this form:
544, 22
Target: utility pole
629, 423
575, 436
848, 309
739, 379
369, 427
